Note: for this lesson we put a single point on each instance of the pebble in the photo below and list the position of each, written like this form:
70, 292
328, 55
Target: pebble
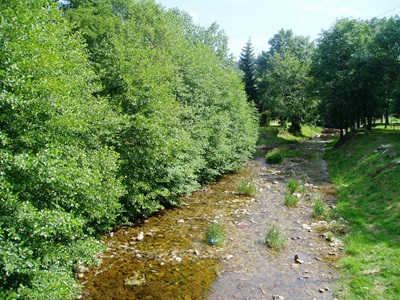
140, 236
278, 297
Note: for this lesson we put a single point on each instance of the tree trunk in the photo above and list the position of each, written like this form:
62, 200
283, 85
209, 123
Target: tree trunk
295, 128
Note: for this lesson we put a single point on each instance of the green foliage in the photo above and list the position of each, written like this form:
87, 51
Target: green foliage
215, 234
274, 157
274, 239
247, 65
187, 116
362, 53
368, 189
291, 200
320, 209
292, 186
283, 80
246, 187
58, 178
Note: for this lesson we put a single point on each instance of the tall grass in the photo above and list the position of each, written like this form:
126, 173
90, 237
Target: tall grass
365, 170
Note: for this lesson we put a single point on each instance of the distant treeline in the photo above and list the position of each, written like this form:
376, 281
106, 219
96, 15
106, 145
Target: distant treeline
109, 110
345, 79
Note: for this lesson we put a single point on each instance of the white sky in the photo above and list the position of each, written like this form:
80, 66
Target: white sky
259, 20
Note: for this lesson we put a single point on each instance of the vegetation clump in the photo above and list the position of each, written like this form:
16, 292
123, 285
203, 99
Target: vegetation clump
291, 200
274, 239
292, 186
246, 188
215, 234
320, 209
277, 155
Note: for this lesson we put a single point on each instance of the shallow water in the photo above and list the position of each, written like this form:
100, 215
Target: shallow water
174, 260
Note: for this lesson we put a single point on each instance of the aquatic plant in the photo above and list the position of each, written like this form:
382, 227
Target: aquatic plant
215, 234
274, 240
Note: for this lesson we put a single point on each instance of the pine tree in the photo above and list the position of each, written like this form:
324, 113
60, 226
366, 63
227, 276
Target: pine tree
248, 66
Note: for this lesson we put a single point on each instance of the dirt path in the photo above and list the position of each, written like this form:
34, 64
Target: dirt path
167, 256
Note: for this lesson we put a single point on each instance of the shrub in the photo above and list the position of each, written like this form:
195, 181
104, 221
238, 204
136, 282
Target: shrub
246, 187
215, 234
274, 240
320, 209
273, 157
291, 200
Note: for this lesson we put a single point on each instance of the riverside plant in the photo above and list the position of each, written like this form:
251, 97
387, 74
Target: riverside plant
292, 186
246, 188
274, 239
291, 200
215, 234
320, 209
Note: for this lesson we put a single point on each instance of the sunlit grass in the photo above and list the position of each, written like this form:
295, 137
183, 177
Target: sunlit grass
246, 187
366, 171
274, 239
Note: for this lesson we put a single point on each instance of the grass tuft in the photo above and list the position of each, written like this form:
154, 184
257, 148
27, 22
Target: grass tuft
320, 209
215, 234
291, 200
292, 186
274, 240
246, 188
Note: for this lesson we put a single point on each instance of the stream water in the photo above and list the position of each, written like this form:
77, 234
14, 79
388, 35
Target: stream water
168, 256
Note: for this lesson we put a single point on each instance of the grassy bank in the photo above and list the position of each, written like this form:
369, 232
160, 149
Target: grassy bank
275, 135
366, 172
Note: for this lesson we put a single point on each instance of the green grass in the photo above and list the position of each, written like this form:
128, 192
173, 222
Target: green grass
276, 135
246, 188
292, 186
320, 209
291, 200
276, 155
215, 234
274, 240
368, 184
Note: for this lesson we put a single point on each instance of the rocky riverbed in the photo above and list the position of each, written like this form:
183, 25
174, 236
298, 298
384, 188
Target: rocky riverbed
168, 256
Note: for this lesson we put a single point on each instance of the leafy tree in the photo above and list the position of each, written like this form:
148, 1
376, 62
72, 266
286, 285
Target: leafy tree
284, 80
248, 66
385, 48
58, 178
176, 86
347, 74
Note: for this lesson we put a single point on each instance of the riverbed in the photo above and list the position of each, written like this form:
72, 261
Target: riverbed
168, 255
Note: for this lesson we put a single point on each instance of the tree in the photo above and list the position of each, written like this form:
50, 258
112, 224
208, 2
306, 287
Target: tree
284, 80
385, 49
347, 75
175, 85
58, 178
248, 66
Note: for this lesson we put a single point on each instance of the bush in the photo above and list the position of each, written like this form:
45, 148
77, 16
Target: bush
274, 157
247, 188
291, 200
274, 240
215, 234
320, 209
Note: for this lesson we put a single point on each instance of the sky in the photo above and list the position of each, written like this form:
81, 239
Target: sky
259, 20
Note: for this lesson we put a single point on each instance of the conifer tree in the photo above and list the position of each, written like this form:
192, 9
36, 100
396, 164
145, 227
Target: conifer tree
248, 65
